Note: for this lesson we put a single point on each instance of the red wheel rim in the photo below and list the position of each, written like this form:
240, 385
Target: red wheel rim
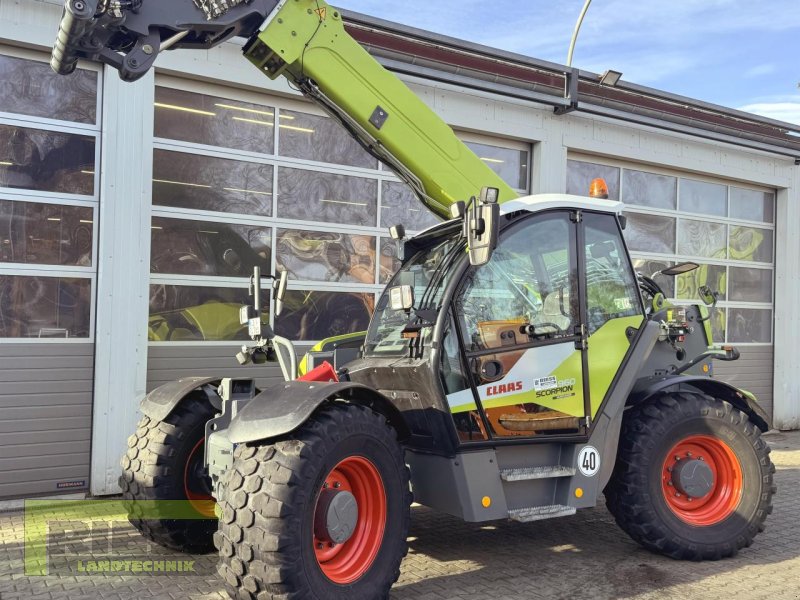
726, 491
347, 562
201, 500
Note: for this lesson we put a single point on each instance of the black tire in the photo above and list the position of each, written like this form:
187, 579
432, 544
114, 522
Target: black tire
637, 497
154, 468
269, 497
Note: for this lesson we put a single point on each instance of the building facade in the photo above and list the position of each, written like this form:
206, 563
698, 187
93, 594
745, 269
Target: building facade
131, 215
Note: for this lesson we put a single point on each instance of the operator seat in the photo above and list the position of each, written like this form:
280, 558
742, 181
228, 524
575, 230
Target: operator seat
551, 310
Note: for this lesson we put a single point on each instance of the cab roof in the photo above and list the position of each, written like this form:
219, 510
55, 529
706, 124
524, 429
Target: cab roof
540, 202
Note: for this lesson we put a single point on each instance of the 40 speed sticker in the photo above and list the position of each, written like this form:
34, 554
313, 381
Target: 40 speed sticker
589, 461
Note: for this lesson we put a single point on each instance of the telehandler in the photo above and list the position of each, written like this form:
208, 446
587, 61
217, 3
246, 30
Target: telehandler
515, 367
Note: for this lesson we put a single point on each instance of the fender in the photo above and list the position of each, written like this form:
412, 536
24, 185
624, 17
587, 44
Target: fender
283, 407
742, 400
159, 403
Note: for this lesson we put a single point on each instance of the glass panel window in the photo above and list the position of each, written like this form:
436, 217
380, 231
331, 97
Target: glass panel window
322, 256
650, 268
44, 307
46, 161
751, 205
712, 276
310, 316
314, 196
649, 189
580, 175
215, 184
390, 260
45, 234
749, 243
400, 205
213, 121
751, 285
702, 238
749, 326
510, 164
207, 248
29, 87
611, 290
718, 325
320, 139
649, 233
704, 198
186, 313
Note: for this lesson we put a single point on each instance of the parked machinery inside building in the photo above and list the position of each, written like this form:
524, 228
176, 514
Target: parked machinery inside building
515, 367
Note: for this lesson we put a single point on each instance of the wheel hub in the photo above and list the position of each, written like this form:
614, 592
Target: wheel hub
693, 478
336, 516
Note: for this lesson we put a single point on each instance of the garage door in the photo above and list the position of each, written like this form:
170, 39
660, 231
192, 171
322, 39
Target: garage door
49, 128
728, 228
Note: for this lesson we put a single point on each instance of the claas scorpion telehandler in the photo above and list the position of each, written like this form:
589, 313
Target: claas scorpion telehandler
515, 367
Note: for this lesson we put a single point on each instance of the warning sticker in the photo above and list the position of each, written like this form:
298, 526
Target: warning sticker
545, 383
322, 12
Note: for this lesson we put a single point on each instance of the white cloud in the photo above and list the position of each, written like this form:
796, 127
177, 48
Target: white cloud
782, 111
760, 70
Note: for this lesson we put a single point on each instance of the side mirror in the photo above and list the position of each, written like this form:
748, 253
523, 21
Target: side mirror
708, 297
482, 224
279, 286
401, 297
679, 269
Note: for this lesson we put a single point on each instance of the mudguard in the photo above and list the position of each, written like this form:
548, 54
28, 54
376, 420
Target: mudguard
742, 400
283, 407
159, 403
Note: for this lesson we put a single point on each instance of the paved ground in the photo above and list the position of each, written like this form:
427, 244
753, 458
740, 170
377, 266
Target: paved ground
585, 556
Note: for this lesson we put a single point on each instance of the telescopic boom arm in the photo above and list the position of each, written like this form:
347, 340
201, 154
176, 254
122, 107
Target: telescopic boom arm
304, 41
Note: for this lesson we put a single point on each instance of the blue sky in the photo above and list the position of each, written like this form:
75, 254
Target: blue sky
738, 53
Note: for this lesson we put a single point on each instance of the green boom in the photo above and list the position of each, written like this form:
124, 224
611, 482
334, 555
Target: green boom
305, 41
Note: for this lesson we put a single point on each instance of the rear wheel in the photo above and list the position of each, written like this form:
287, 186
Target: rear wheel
693, 478
164, 461
322, 515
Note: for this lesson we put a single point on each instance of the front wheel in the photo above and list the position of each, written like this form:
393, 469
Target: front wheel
322, 515
693, 478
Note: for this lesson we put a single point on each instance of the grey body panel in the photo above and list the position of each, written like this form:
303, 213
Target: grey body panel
46, 405
159, 403
282, 408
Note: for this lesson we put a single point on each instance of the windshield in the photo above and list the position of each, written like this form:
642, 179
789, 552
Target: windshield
385, 331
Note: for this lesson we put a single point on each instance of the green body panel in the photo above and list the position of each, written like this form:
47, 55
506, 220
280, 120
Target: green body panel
302, 369
307, 39
607, 349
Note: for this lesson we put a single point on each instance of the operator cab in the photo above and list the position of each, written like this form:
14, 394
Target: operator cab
505, 344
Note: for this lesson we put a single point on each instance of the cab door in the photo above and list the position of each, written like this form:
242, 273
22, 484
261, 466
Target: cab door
520, 325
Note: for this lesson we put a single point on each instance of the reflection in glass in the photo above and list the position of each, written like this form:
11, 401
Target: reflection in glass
213, 121
184, 313
45, 234
702, 197
390, 259
208, 183
713, 276
751, 285
751, 205
748, 325
44, 307
311, 316
324, 256
511, 165
650, 189
649, 233
702, 238
718, 325
749, 243
46, 161
314, 196
29, 87
206, 248
649, 267
580, 175
400, 205
320, 139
